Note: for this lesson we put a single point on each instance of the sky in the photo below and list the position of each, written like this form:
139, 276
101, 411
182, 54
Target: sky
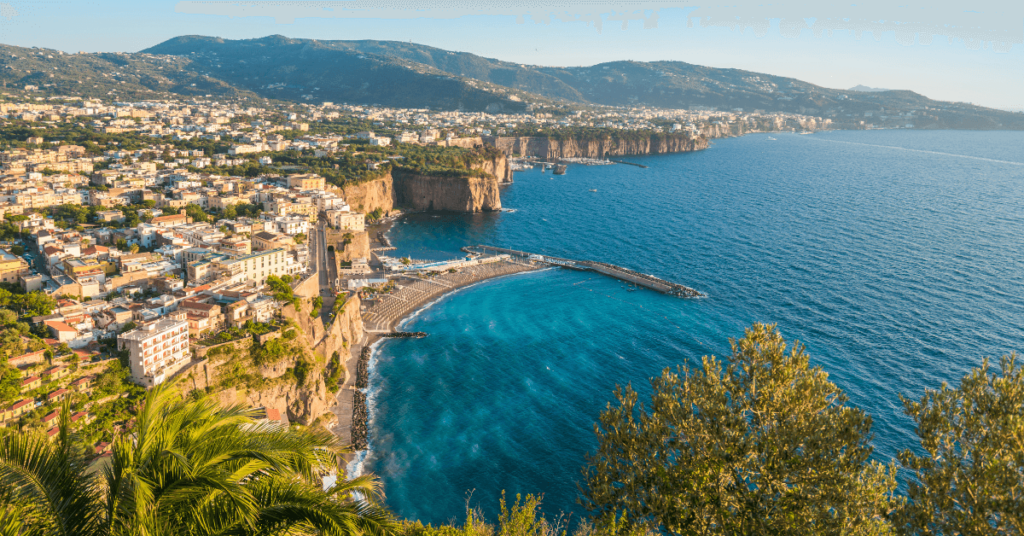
944, 49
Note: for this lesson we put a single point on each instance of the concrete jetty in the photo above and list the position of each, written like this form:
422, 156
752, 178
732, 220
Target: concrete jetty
618, 272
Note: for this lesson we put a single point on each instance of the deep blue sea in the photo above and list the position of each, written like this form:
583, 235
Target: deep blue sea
896, 257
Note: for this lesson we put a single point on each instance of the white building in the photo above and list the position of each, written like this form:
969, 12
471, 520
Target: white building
347, 221
258, 266
157, 350
289, 225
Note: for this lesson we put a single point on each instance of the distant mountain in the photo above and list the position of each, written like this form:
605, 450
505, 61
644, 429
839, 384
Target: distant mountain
397, 74
406, 74
866, 89
107, 75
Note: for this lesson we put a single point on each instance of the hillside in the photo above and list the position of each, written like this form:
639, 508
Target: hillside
407, 74
116, 76
396, 74
317, 71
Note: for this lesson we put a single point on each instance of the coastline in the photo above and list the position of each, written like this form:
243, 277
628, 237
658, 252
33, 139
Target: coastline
387, 315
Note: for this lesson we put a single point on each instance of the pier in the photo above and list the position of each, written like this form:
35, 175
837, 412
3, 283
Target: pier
610, 270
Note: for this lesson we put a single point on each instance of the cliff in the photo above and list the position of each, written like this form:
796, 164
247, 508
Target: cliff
446, 194
543, 147
370, 195
414, 191
286, 371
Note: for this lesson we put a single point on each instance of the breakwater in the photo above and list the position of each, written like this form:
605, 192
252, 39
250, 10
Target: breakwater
363, 369
629, 163
359, 421
404, 335
611, 270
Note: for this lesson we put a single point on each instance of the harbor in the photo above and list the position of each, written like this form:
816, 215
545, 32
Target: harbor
610, 270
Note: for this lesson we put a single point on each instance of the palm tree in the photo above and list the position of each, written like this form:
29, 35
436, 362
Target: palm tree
44, 490
187, 467
134, 249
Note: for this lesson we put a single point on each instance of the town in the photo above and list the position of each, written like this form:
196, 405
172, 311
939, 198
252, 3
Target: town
138, 238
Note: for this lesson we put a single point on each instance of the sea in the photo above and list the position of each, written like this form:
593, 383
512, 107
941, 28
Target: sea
895, 256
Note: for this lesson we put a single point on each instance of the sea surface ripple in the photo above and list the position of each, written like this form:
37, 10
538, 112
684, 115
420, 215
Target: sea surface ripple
896, 257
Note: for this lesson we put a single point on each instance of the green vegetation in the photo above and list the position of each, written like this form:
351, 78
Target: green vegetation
186, 467
35, 303
282, 292
968, 476
318, 304
249, 329
333, 373
196, 213
242, 210
765, 444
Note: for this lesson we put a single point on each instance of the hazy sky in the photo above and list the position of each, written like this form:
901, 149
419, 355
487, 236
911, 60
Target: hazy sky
956, 64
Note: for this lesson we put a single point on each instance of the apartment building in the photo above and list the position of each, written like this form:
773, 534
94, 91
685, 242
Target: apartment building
157, 350
306, 181
11, 266
256, 267
346, 221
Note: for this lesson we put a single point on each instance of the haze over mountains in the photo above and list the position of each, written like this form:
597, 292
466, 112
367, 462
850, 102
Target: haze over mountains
398, 74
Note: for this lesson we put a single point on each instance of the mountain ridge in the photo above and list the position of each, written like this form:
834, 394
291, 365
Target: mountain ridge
409, 75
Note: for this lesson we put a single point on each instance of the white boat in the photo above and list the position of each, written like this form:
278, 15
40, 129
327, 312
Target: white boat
771, 138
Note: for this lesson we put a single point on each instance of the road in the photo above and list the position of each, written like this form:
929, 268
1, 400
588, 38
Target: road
319, 259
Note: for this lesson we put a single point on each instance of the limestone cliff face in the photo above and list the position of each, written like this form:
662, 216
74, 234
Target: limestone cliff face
446, 194
344, 331
315, 343
370, 195
453, 194
498, 167
543, 147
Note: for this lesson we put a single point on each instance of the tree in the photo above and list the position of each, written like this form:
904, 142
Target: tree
121, 244
970, 477
7, 317
196, 213
763, 445
45, 487
299, 238
134, 248
17, 250
186, 467
230, 212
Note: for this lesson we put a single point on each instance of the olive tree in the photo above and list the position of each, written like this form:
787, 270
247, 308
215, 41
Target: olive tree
761, 444
968, 478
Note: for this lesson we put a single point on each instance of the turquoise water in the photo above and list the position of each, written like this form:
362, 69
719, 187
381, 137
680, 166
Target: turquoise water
895, 256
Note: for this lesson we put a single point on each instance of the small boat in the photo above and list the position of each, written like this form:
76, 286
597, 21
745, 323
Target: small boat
593, 190
771, 138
